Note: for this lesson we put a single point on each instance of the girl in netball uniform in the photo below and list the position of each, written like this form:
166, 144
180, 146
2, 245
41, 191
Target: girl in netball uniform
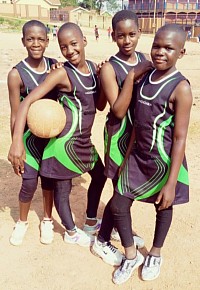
22, 79
156, 169
71, 153
117, 131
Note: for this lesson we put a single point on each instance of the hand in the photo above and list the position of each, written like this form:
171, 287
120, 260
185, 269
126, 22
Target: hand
142, 68
99, 66
17, 157
55, 66
166, 196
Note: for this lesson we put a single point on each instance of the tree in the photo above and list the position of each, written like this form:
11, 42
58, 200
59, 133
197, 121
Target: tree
65, 3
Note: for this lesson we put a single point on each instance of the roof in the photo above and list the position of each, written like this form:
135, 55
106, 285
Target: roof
53, 2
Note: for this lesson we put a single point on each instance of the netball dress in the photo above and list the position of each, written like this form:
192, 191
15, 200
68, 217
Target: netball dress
117, 131
148, 166
72, 153
34, 146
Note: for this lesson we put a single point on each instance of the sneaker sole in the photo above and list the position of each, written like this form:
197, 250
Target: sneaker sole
139, 263
46, 242
14, 243
106, 261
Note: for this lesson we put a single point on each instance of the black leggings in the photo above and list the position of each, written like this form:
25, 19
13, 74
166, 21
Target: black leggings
117, 214
29, 186
62, 191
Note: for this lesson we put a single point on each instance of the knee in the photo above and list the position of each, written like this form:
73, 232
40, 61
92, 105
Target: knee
47, 183
28, 189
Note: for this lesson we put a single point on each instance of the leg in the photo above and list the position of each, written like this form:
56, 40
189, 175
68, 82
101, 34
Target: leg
120, 207
26, 193
46, 226
153, 261
96, 186
61, 199
163, 223
47, 190
72, 235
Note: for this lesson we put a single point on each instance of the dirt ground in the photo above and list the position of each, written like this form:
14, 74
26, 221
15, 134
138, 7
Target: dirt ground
61, 266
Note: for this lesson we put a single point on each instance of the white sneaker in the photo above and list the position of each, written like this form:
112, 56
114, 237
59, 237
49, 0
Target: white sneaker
138, 241
46, 232
92, 229
18, 233
124, 272
80, 238
151, 268
107, 252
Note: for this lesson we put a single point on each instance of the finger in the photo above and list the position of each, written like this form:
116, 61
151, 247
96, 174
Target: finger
16, 170
158, 200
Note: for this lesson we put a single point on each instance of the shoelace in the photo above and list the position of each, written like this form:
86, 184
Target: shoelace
111, 247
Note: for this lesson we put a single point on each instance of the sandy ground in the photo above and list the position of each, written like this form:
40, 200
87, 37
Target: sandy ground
61, 266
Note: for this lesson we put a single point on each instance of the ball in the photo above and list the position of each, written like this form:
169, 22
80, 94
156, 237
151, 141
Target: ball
46, 118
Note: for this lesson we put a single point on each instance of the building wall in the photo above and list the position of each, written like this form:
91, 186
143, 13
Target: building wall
42, 3
24, 11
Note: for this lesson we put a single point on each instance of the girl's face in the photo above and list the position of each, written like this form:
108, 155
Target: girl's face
36, 41
72, 45
126, 36
166, 50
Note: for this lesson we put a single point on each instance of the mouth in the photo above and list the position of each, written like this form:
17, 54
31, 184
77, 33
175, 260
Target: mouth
159, 61
72, 57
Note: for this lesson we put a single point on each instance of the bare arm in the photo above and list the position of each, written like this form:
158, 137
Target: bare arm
182, 105
119, 100
16, 153
14, 83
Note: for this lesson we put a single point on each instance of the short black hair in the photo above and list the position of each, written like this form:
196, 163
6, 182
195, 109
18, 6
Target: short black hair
72, 26
173, 27
124, 15
33, 23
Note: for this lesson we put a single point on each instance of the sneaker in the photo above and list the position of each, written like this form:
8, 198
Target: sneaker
18, 233
80, 238
138, 241
92, 229
107, 252
124, 272
46, 232
151, 268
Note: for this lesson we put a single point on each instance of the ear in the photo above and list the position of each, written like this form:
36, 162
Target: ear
182, 53
22, 39
47, 42
84, 41
139, 32
113, 36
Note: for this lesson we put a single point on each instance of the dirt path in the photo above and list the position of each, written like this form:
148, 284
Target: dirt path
60, 266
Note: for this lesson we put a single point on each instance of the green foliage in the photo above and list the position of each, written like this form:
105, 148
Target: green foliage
1, 20
65, 3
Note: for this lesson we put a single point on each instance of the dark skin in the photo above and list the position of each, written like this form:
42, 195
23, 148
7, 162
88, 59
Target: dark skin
126, 35
35, 41
72, 45
167, 48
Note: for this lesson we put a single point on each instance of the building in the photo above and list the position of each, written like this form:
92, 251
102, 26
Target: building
48, 4
185, 12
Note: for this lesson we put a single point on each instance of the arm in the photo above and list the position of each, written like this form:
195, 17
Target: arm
182, 99
16, 153
119, 100
14, 83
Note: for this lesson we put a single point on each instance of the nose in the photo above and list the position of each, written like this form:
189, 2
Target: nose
36, 42
126, 39
160, 51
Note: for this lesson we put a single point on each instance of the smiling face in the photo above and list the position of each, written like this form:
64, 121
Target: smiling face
167, 48
35, 40
72, 45
126, 35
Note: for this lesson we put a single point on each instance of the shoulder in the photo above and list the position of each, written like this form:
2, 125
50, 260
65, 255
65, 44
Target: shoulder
14, 74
